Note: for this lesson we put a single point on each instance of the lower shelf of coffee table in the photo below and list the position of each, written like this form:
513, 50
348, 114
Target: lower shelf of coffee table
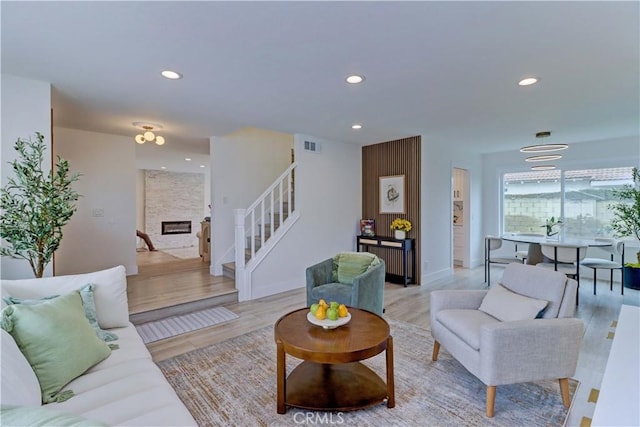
334, 387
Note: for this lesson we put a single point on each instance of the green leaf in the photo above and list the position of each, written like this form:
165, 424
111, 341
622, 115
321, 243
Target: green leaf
34, 205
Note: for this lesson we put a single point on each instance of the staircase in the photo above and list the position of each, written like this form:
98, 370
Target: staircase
258, 229
229, 268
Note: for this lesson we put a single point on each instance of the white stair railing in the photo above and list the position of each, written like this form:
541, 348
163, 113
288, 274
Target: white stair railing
267, 215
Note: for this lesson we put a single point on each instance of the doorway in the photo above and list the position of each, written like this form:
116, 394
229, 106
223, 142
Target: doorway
460, 218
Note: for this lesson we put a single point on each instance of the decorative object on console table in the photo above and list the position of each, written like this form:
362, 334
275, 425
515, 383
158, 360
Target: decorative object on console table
367, 227
626, 222
401, 227
392, 194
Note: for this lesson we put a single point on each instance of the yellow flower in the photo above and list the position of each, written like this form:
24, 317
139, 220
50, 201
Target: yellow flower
401, 224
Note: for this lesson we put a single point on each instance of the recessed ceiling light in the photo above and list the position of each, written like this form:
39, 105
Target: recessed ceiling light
163, 167
201, 166
188, 159
356, 126
355, 79
528, 81
543, 158
543, 168
172, 75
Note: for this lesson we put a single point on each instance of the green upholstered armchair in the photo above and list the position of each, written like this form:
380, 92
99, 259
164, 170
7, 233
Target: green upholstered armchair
355, 279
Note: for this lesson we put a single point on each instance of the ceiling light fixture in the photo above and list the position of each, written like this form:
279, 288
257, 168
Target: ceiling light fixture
188, 159
543, 148
356, 126
543, 168
148, 135
543, 158
171, 75
354, 79
528, 81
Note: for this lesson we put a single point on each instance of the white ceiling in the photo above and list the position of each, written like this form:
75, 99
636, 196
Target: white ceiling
446, 70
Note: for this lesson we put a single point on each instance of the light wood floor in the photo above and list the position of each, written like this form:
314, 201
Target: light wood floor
411, 305
164, 280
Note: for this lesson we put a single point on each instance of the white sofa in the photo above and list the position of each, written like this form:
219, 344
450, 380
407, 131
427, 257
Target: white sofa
125, 389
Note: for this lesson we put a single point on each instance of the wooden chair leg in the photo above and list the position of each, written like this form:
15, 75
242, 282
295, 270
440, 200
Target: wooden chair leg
436, 350
564, 391
491, 399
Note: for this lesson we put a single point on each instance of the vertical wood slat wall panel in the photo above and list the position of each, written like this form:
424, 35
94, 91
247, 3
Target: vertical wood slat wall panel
398, 157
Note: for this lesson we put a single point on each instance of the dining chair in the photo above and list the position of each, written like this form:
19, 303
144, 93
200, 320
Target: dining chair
565, 258
616, 248
492, 243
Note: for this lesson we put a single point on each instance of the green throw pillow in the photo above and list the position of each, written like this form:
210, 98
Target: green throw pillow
353, 264
57, 340
42, 417
88, 303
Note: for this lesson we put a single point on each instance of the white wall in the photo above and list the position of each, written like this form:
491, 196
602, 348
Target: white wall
438, 160
108, 183
593, 154
329, 199
243, 165
140, 195
26, 109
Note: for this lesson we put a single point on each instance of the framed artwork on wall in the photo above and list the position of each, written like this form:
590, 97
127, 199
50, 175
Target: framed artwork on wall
392, 194
368, 227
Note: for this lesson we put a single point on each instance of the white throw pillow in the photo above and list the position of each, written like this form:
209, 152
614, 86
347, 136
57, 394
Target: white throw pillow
508, 306
20, 385
110, 292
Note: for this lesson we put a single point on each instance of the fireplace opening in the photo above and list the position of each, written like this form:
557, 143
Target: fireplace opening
176, 227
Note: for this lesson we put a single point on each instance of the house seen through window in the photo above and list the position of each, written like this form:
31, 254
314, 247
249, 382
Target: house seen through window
580, 197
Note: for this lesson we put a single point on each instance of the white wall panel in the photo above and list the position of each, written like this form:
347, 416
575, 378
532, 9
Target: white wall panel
102, 233
26, 109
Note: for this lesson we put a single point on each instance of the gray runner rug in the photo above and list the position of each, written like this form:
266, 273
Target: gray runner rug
233, 383
176, 325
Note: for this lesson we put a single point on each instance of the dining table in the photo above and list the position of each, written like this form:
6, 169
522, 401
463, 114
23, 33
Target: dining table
534, 253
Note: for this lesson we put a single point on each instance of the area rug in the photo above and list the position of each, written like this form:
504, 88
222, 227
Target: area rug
234, 383
176, 325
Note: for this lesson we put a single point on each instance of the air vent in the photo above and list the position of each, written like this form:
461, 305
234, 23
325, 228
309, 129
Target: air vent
312, 147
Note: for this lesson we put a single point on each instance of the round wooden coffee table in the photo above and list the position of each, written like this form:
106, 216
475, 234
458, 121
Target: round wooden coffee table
331, 378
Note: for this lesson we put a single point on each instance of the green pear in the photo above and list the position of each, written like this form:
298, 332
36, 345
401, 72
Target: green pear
314, 308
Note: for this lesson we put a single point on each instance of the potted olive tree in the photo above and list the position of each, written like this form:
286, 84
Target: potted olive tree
626, 222
34, 205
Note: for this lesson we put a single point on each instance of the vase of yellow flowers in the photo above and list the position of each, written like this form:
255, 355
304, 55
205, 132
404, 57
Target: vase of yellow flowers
400, 228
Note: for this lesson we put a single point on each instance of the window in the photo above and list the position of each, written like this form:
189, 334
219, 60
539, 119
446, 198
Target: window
580, 197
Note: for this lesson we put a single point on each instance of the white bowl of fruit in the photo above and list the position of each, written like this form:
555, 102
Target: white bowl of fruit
328, 316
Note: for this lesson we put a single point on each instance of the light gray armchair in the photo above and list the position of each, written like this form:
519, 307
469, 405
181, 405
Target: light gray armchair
355, 279
501, 350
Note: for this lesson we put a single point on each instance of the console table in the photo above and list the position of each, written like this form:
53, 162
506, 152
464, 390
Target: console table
407, 246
